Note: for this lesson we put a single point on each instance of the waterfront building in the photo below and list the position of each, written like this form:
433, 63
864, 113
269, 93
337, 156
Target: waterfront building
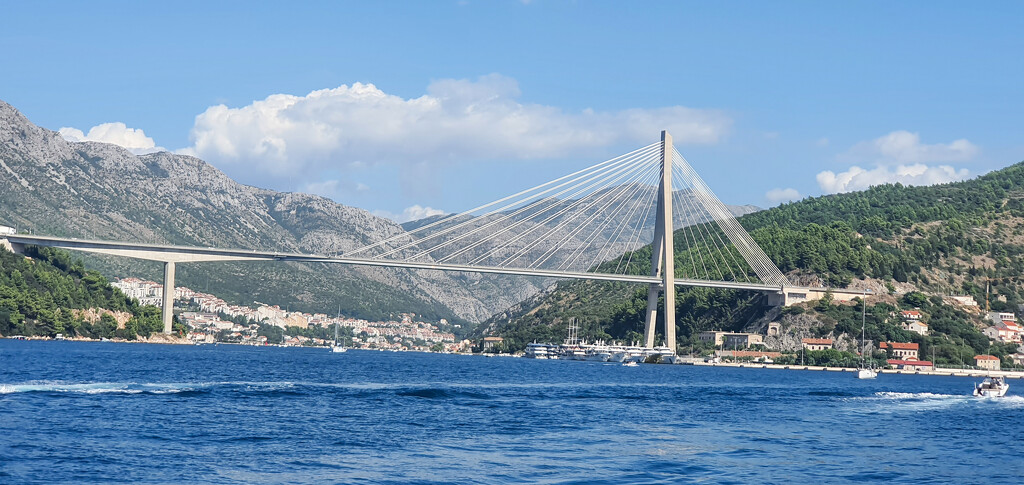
749, 354
900, 350
989, 362
489, 343
817, 343
731, 339
910, 364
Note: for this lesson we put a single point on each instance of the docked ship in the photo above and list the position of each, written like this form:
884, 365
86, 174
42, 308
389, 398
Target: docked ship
537, 351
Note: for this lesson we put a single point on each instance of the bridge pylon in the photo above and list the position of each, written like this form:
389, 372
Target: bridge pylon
663, 256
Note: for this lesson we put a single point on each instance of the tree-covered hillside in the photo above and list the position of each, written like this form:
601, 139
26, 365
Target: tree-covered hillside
944, 239
39, 296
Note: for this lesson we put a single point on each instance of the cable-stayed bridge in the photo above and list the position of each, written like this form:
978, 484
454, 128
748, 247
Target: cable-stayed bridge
625, 219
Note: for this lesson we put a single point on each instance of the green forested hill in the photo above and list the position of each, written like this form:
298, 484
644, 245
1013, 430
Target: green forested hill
39, 293
944, 239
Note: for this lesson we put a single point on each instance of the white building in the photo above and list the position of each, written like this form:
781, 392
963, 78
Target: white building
997, 317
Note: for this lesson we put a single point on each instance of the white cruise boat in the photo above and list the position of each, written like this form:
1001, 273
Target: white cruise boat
618, 353
666, 354
537, 351
635, 354
992, 387
598, 353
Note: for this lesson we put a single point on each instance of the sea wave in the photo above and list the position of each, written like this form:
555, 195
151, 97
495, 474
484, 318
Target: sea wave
100, 388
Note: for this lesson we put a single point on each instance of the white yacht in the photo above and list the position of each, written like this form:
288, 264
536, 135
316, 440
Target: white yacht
992, 387
598, 354
537, 351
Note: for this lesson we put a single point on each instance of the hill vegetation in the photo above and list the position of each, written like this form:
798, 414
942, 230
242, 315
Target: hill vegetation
48, 293
945, 239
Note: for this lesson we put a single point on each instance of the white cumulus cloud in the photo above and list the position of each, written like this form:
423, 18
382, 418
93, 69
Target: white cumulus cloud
135, 140
857, 178
899, 157
904, 148
457, 119
411, 213
776, 196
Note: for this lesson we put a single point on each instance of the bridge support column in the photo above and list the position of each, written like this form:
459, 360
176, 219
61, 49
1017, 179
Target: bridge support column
168, 308
663, 256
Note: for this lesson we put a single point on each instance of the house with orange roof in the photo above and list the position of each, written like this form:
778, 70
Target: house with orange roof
900, 350
817, 343
910, 364
910, 315
989, 362
1004, 331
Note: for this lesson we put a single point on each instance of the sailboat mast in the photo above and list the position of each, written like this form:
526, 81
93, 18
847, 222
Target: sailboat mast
336, 325
863, 323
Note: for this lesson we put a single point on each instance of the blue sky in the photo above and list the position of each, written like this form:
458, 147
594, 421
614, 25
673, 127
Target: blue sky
474, 100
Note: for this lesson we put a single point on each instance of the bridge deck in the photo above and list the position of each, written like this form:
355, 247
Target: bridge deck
187, 254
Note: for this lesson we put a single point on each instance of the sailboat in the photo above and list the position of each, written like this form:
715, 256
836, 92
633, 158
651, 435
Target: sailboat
863, 370
337, 348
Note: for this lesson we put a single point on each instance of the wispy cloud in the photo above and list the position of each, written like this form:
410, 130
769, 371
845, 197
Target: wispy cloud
411, 213
776, 196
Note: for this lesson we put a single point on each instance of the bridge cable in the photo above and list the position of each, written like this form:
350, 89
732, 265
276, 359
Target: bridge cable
488, 238
621, 203
503, 199
706, 224
624, 223
580, 180
769, 272
539, 224
757, 263
638, 232
560, 225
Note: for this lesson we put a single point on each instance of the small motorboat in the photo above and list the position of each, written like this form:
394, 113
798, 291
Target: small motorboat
992, 387
866, 373
631, 363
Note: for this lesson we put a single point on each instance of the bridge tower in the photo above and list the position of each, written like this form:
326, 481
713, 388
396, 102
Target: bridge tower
663, 255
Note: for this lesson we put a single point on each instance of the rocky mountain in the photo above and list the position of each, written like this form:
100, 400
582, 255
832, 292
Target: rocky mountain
95, 190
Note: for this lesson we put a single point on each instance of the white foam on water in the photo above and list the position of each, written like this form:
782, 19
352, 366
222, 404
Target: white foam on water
99, 387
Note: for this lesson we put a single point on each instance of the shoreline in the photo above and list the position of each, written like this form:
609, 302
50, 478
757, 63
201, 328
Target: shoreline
1009, 374
683, 360
150, 340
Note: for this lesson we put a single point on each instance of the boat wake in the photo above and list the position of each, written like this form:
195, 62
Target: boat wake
929, 400
102, 388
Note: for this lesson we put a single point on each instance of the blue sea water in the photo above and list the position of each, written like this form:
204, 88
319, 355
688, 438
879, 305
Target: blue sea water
76, 412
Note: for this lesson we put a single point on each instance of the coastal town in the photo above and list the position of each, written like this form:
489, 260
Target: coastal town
210, 319
776, 347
